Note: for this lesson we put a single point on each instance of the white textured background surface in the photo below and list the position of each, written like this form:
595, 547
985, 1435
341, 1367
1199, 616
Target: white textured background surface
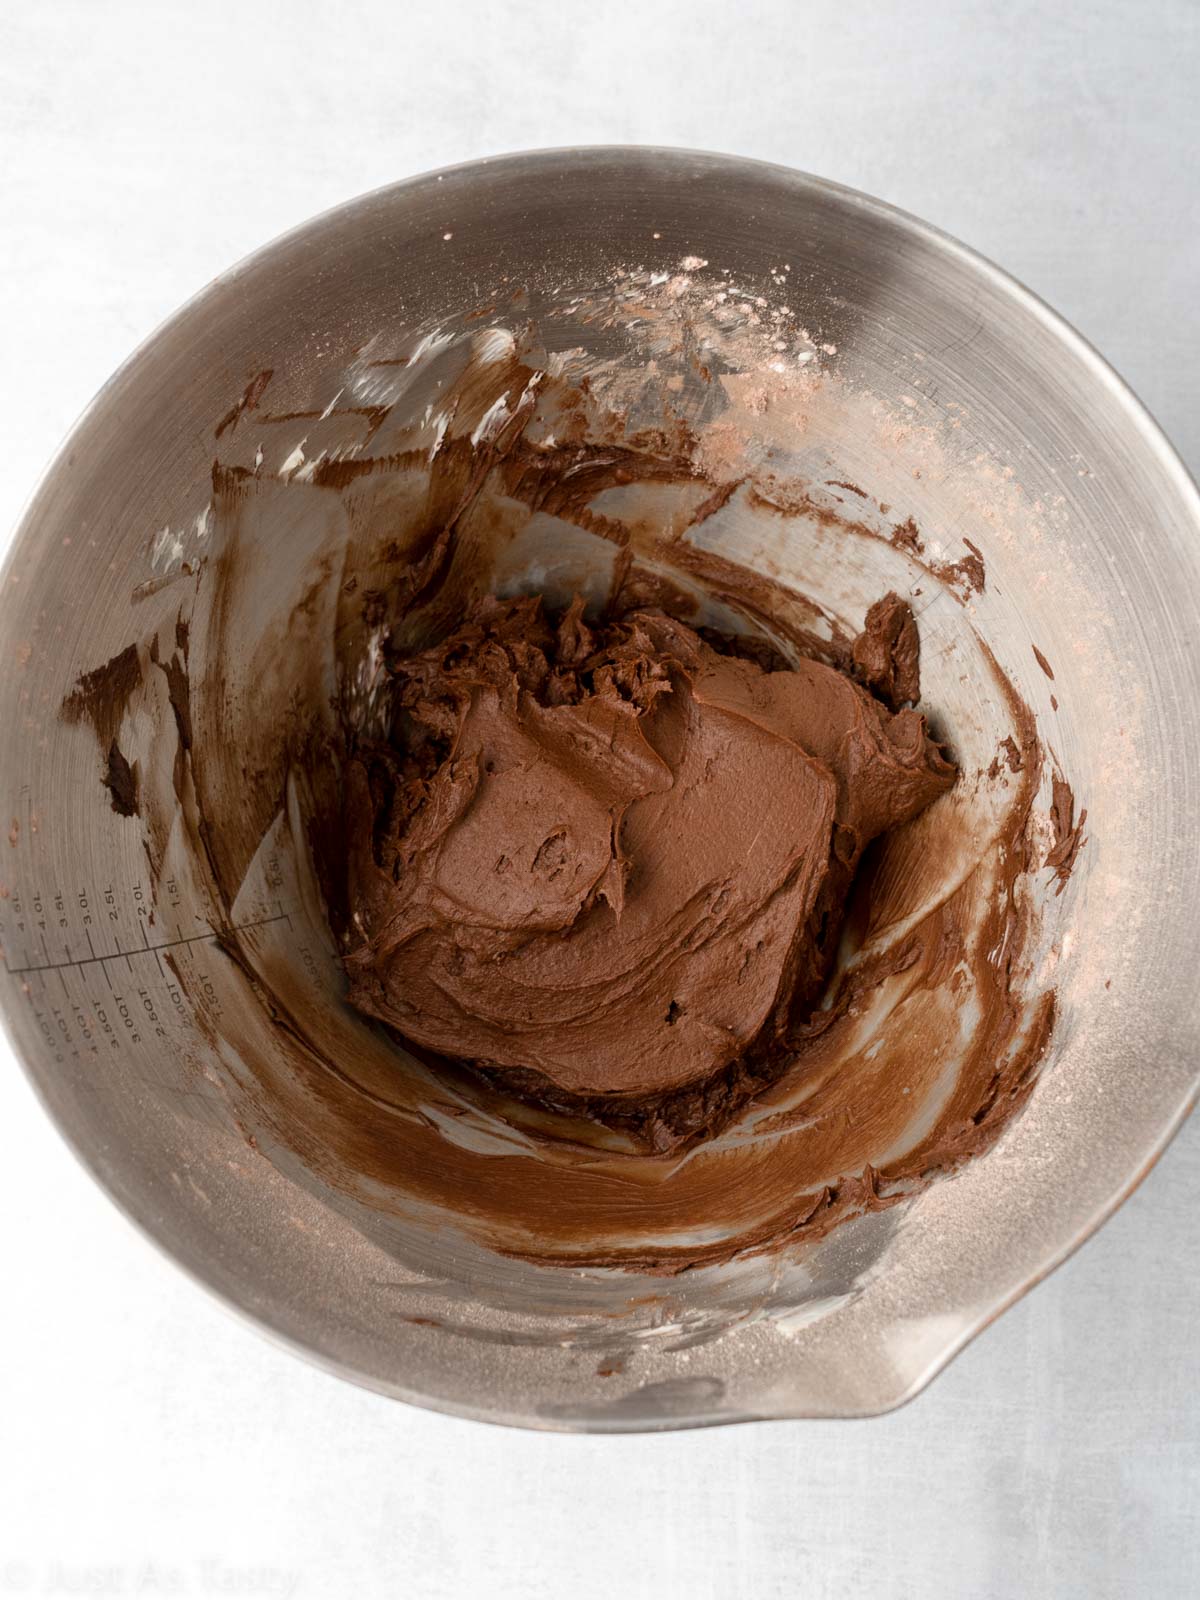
149, 1444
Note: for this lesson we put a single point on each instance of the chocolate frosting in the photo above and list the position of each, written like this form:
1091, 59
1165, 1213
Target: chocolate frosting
887, 653
614, 860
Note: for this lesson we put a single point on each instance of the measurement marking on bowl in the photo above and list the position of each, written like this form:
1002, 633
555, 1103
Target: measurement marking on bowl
146, 949
139, 1008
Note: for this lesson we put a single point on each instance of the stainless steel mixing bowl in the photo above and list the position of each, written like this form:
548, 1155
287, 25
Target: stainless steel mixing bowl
970, 406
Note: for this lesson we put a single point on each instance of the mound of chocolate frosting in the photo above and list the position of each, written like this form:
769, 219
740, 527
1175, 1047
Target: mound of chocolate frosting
613, 861
606, 864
